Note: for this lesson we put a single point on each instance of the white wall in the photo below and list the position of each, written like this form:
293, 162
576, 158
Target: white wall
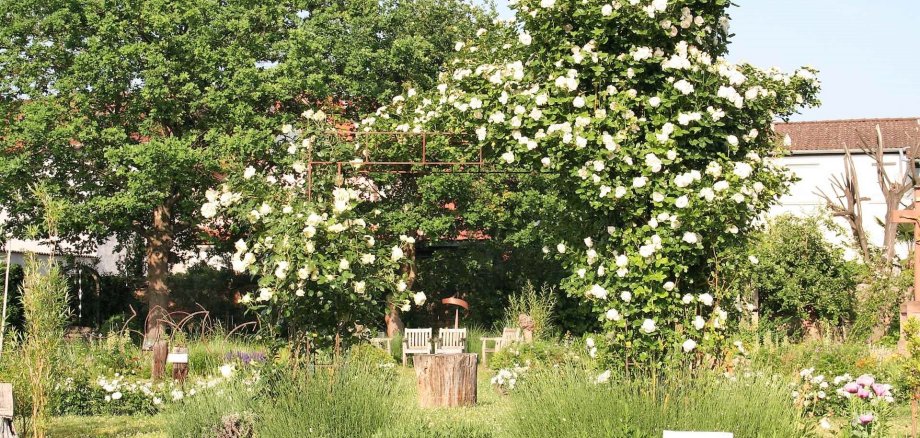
815, 172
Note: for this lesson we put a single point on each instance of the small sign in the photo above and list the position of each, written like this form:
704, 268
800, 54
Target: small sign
677, 434
177, 358
6, 400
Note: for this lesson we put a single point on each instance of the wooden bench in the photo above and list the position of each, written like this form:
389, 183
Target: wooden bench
509, 336
416, 341
383, 343
451, 341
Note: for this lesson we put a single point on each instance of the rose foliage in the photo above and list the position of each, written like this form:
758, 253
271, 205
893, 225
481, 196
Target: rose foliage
324, 268
661, 147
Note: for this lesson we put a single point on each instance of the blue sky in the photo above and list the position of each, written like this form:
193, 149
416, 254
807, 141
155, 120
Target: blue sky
868, 51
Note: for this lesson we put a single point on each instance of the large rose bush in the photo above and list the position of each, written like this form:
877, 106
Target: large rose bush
661, 144
324, 268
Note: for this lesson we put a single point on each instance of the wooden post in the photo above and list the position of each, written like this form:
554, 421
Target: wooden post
911, 308
179, 360
160, 351
446, 379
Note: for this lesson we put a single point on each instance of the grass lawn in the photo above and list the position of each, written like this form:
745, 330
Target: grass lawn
108, 427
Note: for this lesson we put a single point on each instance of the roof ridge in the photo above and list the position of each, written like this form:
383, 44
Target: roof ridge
877, 119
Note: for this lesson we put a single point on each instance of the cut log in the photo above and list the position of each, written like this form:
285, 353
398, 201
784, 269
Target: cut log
446, 379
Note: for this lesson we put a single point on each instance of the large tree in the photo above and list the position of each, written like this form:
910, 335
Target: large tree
128, 111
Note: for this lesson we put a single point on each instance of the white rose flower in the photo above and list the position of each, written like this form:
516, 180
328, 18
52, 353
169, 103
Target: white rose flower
360, 287
209, 210
687, 299
508, 157
396, 254
654, 102
681, 202
742, 170
622, 261
401, 286
639, 181
249, 172
688, 345
606, 10
648, 326
598, 292
699, 322
547, 3
690, 237
525, 38
626, 296
419, 298
706, 299
669, 286
613, 315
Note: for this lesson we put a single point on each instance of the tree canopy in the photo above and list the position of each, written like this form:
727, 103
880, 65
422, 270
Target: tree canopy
128, 111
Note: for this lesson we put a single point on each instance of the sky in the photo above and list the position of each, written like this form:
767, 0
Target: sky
868, 51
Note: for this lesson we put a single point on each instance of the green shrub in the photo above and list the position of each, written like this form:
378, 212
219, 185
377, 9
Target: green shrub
538, 354
567, 402
370, 356
799, 278
832, 358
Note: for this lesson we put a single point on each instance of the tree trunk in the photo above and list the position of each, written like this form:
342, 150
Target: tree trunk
446, 379
159, 245
394, 323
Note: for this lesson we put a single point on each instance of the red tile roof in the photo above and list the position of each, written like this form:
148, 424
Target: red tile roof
829, 135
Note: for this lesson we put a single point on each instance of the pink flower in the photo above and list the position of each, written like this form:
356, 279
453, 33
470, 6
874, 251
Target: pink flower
851, 387
865, 380
881, 390
866, 419
863, 393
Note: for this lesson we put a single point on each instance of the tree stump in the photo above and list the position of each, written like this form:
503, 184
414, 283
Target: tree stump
446, 379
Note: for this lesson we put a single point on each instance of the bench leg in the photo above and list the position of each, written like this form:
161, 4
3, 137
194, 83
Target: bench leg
404, 359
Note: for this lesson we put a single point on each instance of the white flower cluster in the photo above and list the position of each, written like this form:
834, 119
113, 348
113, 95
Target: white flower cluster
693, 145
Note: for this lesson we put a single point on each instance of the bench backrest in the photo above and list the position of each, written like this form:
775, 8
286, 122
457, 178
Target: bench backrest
416, 338
452, 337
510, 335
6, 400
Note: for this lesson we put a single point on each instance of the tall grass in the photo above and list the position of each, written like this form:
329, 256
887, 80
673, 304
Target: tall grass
343, 401
568, 403
45, 308
538, 304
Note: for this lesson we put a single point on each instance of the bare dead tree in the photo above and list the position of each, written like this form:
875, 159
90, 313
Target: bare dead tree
893, 188
847, 202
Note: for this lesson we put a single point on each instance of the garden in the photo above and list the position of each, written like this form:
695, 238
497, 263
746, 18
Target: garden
309, 199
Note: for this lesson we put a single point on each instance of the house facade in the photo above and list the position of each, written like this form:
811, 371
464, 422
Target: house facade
817, 151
